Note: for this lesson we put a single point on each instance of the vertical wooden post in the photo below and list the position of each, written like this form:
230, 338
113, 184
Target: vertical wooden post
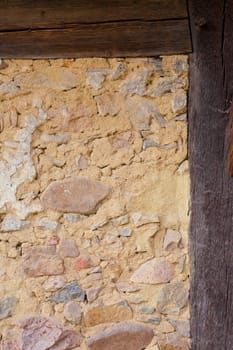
211, 230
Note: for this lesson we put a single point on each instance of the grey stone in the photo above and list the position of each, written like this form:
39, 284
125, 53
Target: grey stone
47, 225
180, 65
181, 326
119, 72
73, 312
74, 217
179, 102
137, 85
125, 232
172, 298
7, 306
144, 309
121, 220
11, 223
149, 319
167, 85
96, 77
142, 112
69, 292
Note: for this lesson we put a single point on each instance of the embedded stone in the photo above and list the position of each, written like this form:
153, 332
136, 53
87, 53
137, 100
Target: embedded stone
54, 283
179, 102
124, 335
75, 195
172, 298
108, 104
69, 292
96, 77
42, 333
140, 219
47, 224
154, 271
42, 261
51, 77
83, 262
126, 287
172, 238
107, 314
120, 71
72, 312
11, 223
137, 85
125, 232
145, 309
7, 306
68, 248
93, 293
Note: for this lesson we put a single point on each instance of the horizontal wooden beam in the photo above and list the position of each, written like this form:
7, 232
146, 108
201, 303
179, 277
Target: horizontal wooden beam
31, 14
87, 28
102, 40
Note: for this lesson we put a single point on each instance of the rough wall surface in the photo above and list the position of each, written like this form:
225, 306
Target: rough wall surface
94, 191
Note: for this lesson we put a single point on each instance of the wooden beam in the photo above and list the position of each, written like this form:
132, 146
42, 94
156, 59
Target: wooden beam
31, 14
211, 230
87, 28
103, 40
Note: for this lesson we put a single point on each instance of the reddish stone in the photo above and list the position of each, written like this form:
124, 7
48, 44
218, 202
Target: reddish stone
83, 262
75, 194
40, 333
42, 261
53, 240
154, 271
125, 335
68, 248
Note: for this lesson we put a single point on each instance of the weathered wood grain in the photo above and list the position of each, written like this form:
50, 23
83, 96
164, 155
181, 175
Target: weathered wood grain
211, 230
119, 39
229, 144
31, 14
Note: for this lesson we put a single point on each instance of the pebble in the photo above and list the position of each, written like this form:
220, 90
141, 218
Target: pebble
73, 312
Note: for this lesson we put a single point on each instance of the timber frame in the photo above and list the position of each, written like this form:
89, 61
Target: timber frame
115, 28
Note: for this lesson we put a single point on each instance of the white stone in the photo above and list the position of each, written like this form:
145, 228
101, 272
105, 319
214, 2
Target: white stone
11, 223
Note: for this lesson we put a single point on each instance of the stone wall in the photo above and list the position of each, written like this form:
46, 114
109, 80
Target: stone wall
94, 190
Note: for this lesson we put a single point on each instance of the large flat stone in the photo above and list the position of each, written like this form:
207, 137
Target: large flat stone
75, 194
42, 261
107, 313
154, 271
123, 336
40, 333
52, 77
172, 298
